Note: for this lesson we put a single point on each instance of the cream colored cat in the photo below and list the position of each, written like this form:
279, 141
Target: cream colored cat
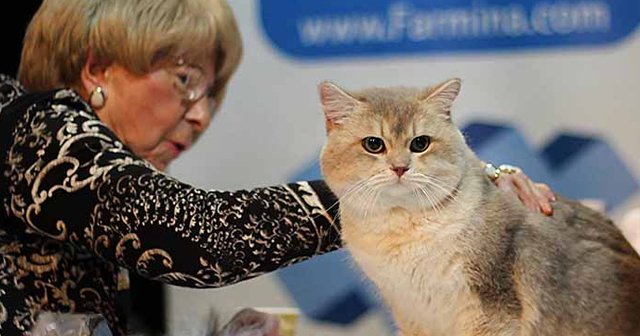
452, 255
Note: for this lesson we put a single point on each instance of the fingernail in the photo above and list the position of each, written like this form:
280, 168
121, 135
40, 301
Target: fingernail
545, 208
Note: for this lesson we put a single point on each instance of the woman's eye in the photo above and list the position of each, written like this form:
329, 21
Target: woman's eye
373, 145
188, 77
420, 144
184, 79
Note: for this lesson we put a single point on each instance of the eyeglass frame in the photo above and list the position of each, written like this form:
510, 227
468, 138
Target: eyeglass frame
192, 95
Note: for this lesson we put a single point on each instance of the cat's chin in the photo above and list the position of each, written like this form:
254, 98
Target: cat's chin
392, 196
407, 196
408, 203
399, 195
398, 188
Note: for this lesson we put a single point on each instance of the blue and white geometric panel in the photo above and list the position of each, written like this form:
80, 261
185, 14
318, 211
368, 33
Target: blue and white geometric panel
588, 168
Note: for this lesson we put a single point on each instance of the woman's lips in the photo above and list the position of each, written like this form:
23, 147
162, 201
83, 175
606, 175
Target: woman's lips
176, 148
167, 152
181, 147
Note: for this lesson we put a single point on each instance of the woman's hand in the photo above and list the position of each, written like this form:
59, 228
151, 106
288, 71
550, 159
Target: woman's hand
535, 196
250, 322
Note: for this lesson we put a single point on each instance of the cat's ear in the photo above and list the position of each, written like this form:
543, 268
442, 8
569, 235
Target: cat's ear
443, 95
337, 104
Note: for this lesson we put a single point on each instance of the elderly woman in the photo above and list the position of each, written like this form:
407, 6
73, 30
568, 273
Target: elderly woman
109, 93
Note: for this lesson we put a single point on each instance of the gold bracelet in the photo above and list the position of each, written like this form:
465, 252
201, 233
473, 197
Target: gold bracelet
494, 172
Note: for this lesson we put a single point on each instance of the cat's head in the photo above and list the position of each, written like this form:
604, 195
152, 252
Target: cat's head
392, 147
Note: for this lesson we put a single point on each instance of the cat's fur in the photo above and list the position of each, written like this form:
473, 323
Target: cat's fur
450, 253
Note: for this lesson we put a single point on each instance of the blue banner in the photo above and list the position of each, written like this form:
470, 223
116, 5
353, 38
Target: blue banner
338, 28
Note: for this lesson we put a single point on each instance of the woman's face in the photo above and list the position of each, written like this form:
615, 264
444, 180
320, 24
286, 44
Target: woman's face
156, 114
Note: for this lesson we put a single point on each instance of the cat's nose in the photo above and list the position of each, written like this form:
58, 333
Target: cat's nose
399, 170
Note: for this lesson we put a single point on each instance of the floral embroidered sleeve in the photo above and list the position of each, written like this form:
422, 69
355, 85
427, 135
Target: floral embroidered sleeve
69, 178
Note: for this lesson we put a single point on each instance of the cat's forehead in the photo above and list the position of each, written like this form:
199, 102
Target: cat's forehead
389, 97
396, 107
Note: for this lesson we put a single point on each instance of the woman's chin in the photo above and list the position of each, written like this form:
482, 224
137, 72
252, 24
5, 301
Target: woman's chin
158, 164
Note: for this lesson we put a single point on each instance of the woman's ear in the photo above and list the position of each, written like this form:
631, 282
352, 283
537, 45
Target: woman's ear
94, 74
94, 78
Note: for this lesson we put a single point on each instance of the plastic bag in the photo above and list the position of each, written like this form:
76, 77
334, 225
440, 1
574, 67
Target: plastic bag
58, 324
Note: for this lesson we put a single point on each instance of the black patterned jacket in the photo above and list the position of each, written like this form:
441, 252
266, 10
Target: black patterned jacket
75, 204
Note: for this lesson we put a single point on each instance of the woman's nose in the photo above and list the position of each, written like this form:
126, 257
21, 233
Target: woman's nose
199, 114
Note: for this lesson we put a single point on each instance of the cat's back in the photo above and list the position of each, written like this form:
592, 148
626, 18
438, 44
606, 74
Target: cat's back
590, 226
577, 273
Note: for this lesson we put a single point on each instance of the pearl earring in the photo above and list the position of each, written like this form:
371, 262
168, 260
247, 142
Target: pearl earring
97, 98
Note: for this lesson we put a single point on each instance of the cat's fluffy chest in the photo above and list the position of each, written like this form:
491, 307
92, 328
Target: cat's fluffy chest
416, 266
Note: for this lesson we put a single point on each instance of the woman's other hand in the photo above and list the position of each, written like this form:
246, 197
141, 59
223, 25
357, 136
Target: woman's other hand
535, 196
250, 322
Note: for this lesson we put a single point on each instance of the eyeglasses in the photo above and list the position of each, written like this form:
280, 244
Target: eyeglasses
189, 80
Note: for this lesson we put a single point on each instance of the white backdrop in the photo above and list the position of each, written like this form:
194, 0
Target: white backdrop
270, 124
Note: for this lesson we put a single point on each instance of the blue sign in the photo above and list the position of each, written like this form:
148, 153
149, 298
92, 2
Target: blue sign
337, 28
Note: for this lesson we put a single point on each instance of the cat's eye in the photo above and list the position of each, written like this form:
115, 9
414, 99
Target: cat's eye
420, 144
373, 145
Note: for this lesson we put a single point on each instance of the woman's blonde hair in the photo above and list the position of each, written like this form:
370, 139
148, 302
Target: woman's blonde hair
137, 34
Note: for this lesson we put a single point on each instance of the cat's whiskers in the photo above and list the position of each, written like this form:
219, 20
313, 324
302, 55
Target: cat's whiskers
450, 194
418, 180
424, 202
350, 193
373, 194
433, 203
327, 209
331, 207
440, 180
346, 194
366, 200
374, 200
362, 191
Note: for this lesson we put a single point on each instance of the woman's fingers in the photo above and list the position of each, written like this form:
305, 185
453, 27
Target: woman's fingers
539, 192
506, 183
535, 196
546, 191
